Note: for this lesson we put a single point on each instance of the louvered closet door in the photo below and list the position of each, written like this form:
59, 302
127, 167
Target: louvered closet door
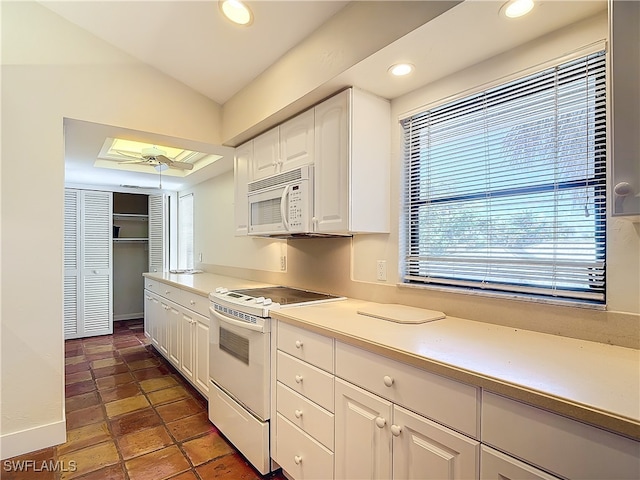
156, 233
96, 258
71, 262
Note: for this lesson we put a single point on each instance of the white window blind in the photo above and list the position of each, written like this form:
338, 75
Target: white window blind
185, 231
505, 189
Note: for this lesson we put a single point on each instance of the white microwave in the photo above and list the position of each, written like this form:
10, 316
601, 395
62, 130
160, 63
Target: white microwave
282, 204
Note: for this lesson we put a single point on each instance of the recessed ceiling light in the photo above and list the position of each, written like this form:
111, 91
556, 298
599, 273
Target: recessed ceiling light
236, 11
517, 8
400, 69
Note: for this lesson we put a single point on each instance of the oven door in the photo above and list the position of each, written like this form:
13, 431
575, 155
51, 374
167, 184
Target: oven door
239, 361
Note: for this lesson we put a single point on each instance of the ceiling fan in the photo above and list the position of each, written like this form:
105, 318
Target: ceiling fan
154, 156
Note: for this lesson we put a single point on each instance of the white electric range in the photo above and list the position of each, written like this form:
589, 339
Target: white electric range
240, 366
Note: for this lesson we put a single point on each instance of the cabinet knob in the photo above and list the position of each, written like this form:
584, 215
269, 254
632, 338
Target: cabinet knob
380, 422
192, 302
298, 344
396, 430
388, 381
297, 459
298, 378
298, 413
167, 292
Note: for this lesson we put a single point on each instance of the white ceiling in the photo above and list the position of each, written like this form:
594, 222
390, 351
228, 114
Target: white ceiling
189, 41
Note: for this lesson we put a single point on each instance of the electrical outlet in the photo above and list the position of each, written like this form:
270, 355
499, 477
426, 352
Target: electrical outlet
283, 263
381, 270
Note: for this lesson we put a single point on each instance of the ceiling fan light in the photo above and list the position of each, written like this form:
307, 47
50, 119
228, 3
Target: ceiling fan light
236, 11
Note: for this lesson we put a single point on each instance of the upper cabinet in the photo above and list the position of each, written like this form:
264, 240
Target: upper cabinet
352, 161
347, 140
284, 147
624, 18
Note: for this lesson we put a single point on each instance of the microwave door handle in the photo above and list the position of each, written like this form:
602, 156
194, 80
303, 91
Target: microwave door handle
283, 207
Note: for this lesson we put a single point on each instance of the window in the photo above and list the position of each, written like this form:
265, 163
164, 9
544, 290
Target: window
505, 189
185, 232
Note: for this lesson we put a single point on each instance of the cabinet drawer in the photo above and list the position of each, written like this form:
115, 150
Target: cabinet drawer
306, 415
446, 401
300, 455
163, 289
566, 447
498, 466
193, 301
308, 346
307, 380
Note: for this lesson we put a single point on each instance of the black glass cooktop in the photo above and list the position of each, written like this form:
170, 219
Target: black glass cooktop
286, 295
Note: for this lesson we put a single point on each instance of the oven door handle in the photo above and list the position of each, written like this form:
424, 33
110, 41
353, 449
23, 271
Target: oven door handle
236, 323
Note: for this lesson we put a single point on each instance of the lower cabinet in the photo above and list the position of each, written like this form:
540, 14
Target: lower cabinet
380, 440
180, 334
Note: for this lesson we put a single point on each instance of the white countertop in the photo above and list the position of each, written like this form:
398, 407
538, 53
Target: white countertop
588, 381
203, 283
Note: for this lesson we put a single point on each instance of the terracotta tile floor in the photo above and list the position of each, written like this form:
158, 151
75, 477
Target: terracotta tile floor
131, 416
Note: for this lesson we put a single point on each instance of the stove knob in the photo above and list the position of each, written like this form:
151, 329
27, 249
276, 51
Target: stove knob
267, 301
259, 299
218, 289
223, 290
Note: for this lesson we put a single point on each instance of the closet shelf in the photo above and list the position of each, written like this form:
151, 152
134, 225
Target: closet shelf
132, 240
131, 216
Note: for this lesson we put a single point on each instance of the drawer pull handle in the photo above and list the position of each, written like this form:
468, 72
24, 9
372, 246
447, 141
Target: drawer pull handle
380, 422
388, 381
396, 430
297, 459
298, 413
298, 378
298, 344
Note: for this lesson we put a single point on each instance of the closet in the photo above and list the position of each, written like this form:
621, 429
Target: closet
110, 240
130, 254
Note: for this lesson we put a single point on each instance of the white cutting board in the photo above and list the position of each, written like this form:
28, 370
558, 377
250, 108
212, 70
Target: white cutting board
394, 312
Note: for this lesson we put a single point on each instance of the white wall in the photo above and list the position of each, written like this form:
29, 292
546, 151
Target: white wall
51, 70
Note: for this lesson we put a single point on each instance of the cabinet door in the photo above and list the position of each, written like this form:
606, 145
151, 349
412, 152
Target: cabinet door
265, 154
429, 451
187, 325
201, 353
174, 318
331, 175
152, 311
363, 435
241, 162
163, 328
297, 142
498, 466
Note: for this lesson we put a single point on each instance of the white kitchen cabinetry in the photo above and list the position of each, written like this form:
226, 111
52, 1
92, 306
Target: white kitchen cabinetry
352, 161
88, 264
557, 444
283, 148
242, 160
303, 433
178, 324
378, 437
624, 70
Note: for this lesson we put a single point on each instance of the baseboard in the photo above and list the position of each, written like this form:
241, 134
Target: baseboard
32, 439
128, 316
